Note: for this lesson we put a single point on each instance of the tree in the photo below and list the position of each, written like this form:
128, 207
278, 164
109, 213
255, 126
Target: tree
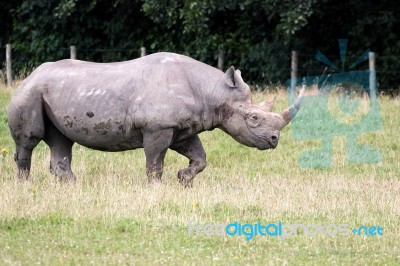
256, 35
44, 30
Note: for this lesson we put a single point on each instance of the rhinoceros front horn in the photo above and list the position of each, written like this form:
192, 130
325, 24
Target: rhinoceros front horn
291, 112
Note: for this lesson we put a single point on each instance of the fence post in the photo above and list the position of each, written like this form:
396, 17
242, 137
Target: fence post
142, 51
293, 74
221, 57
8, 65
372, 76
72, 50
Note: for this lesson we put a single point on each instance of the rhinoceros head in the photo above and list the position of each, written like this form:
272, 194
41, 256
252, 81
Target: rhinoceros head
251, 124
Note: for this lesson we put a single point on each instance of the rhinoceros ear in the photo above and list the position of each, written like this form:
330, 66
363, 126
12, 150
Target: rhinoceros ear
233, 78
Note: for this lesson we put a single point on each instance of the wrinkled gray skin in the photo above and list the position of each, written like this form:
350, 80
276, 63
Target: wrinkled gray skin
156, 102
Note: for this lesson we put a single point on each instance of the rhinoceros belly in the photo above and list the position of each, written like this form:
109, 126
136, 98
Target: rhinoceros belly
108, 131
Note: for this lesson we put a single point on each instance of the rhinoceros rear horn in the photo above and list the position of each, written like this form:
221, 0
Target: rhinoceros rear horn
291, 112
268, 104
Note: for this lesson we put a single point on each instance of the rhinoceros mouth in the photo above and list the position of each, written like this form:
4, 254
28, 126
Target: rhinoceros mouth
266, 147
265, 144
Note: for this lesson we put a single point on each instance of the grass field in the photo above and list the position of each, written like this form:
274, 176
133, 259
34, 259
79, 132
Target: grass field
113, 216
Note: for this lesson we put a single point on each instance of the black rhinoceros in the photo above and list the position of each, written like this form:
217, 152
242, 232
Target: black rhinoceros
160, 101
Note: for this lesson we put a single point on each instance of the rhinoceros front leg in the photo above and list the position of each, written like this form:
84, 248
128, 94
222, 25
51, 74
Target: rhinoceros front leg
191, 148
155, 146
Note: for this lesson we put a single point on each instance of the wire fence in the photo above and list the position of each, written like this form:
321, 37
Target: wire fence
388, 66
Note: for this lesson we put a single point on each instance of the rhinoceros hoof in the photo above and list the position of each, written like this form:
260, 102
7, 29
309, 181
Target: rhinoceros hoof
154, 177
154, 180
67, 177
63, 175
23, 175
185, 177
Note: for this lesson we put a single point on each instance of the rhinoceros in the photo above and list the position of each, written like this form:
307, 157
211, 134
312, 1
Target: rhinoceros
158, 102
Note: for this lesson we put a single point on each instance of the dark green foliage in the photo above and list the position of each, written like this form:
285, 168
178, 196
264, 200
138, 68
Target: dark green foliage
257, 36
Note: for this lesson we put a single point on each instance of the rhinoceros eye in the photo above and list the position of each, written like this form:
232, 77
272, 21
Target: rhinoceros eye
252, 120
254, 117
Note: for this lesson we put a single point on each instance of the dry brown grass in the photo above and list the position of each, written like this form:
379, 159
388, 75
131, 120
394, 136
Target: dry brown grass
112, 200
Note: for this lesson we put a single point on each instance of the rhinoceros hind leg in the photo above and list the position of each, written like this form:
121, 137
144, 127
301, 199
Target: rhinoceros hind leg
191, 148
23, 158
27, 129
60, 153
155, 146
